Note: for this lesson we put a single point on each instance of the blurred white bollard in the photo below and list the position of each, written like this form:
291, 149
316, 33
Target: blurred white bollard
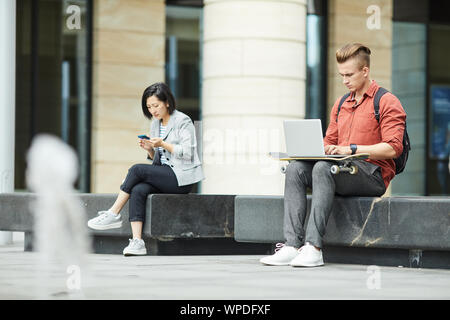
60, 232
6, 238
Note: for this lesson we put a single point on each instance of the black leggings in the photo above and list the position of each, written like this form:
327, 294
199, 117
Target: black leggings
145, 179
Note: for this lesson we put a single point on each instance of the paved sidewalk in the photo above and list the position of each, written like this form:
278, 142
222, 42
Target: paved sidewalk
214, 277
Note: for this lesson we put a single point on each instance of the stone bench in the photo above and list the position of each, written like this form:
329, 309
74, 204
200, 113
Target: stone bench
175, 224
407, 231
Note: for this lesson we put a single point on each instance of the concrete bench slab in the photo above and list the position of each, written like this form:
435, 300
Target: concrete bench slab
399, 222
414, 224
187, 224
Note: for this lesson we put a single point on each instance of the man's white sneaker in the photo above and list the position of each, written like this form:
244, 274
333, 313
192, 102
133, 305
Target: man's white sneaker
282, 257
136, 247
105, 220
308, 256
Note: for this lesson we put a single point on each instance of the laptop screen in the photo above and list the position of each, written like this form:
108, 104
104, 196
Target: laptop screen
304, 138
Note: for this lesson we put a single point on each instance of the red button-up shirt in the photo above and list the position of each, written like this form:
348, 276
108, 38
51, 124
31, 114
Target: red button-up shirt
357, 124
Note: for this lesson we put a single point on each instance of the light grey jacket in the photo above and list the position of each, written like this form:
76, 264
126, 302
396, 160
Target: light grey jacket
184, 160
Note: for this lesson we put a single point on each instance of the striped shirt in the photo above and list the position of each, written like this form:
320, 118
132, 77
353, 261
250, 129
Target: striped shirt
162, 132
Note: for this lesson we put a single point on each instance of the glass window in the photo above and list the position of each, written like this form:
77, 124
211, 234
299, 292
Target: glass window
316, 61
53, 78
409, 85
183, 47
438, 182
420, 79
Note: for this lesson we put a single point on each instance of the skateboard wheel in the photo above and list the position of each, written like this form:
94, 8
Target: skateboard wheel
353, 170
283, 169
334, 169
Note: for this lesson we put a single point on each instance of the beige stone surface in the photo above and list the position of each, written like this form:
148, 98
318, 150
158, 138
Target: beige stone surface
254, 57
254, 72
359, 7
109, 176
353, 29
348, 23
222, 58
119, 113
129, 48
237, 147
129, 55
125, 80
254, 96
255, 19
147, 16
118, 145
226, 134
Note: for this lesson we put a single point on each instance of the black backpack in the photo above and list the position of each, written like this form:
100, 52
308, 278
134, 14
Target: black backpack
400, 162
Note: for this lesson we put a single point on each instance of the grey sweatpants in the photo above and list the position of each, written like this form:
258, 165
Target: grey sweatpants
316, 175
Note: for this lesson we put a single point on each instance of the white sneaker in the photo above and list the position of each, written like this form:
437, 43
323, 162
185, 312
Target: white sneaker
308, 256
135, 248
282, 257
105, 220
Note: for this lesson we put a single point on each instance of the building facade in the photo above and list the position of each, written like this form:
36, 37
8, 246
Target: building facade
238, 68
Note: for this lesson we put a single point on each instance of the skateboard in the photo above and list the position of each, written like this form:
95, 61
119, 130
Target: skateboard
343, 163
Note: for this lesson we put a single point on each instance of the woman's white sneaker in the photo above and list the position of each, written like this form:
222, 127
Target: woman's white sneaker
105, 220
136, 247
308, 256
282, 257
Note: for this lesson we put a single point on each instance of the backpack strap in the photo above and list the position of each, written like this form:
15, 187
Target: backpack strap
344, 97
376, 102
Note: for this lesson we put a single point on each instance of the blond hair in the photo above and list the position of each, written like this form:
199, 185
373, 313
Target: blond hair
354, 50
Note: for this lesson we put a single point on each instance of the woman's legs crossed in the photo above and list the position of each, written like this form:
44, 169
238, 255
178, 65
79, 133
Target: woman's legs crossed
120, 202
136, 174
151, 174
144, 180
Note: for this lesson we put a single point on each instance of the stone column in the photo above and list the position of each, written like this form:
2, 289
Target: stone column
7, 100
254, 71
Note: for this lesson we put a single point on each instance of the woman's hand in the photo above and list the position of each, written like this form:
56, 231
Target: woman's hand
146, 144
157, 142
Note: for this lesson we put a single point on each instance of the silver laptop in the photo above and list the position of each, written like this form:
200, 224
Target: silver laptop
304, 138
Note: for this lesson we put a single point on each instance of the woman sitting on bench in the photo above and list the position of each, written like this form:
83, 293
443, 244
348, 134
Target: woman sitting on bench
175, 169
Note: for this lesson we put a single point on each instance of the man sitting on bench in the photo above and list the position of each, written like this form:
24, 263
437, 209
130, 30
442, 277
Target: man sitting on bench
353, 128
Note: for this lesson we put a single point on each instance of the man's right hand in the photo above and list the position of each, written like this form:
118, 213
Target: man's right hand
332, 149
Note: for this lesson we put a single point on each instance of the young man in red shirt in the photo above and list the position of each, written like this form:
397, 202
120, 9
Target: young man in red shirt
354, 130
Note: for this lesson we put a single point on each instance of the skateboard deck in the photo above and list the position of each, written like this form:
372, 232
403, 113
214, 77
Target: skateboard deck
343, 163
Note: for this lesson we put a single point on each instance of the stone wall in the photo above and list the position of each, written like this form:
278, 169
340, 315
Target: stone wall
348, 23
355, 21
128, 56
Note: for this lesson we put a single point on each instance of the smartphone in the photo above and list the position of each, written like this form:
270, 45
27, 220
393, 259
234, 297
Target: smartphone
143, 136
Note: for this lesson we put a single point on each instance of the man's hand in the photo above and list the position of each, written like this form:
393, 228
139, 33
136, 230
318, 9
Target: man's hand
332, 149
379, 151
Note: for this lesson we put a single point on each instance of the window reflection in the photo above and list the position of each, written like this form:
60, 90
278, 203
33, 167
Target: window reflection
53, 78
183, 57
